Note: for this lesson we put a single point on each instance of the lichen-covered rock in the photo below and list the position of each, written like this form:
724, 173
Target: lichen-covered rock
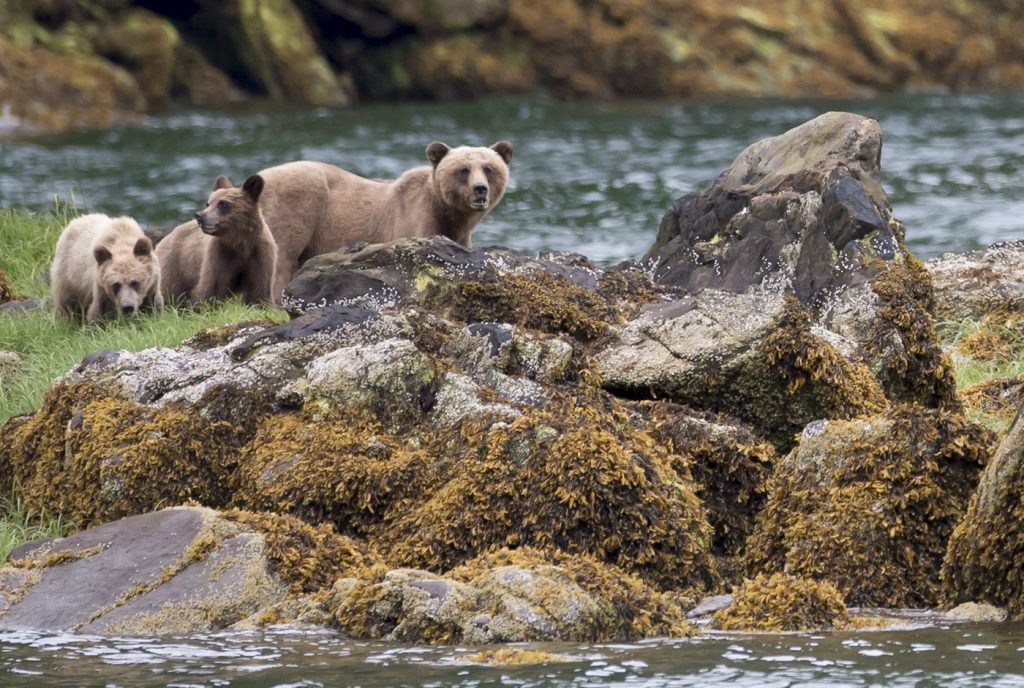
756, 357
179, 570
804, 214
870, 503
508, 596
974, 284
983, 562
782, 602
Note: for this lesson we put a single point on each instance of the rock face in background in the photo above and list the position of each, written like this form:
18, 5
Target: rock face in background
117, 59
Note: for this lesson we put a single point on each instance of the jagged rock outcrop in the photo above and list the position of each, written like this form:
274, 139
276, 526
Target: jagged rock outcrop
799, 216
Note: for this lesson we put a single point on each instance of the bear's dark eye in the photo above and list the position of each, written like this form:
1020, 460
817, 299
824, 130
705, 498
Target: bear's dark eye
115, 287
223, 206
134, 285
464, 171
487, 170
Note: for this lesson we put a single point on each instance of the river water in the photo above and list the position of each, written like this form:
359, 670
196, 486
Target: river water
991, 656
588, 178
591, 178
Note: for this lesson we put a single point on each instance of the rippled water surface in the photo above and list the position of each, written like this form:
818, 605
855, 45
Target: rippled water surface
991, 657
593, 178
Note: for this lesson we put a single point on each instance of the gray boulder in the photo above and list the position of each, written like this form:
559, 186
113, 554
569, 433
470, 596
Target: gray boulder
179, 570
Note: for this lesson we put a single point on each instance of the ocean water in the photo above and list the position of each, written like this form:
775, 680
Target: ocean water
591, 178
986, 656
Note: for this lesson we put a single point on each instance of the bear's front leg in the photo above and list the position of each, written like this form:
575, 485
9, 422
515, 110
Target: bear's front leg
95, 311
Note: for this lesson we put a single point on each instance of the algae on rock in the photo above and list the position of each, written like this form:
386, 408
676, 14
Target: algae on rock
870, 503
782, 602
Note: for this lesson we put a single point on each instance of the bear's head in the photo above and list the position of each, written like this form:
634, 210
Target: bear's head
127, 271
231, 212
470, 179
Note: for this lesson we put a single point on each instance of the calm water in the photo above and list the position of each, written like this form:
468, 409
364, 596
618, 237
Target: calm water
991, 657
589, 178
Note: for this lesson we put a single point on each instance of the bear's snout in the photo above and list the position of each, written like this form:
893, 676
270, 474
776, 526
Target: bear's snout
128, 310
479, 195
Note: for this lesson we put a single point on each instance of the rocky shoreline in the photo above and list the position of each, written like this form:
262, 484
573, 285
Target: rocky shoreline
448, 445
75, 64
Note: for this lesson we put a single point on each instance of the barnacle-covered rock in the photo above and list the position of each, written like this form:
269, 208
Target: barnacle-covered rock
782, 602
972, 285
870, 503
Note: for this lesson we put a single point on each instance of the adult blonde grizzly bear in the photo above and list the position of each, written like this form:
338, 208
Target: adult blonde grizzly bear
104, 267
312, 207
227, 250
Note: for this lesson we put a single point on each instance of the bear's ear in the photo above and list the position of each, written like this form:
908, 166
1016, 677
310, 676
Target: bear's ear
222, 182
102, 254
143, 247
504, 149
253, 186
436, 151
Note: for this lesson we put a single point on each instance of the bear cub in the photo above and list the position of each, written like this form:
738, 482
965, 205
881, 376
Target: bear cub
228, 250
104, 267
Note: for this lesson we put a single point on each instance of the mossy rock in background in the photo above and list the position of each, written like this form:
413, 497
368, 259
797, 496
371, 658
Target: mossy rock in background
985, 555
147, 45
50, 91
782, 602
870, 503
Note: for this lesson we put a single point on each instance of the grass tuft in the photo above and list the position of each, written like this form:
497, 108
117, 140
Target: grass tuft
18, 525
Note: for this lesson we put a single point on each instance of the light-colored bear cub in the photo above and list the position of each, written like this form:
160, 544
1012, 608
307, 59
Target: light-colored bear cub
104, 267
228, 250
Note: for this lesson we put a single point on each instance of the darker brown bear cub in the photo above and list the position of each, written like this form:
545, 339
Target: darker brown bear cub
228, 250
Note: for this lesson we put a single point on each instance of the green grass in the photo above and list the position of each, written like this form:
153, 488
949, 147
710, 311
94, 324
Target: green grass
50, 346
972, 370
18, 526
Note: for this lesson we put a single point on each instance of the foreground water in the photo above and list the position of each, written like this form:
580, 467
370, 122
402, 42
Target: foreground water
990, 656
589, 178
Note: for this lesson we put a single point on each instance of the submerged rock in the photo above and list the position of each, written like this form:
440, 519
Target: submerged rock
869, 504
